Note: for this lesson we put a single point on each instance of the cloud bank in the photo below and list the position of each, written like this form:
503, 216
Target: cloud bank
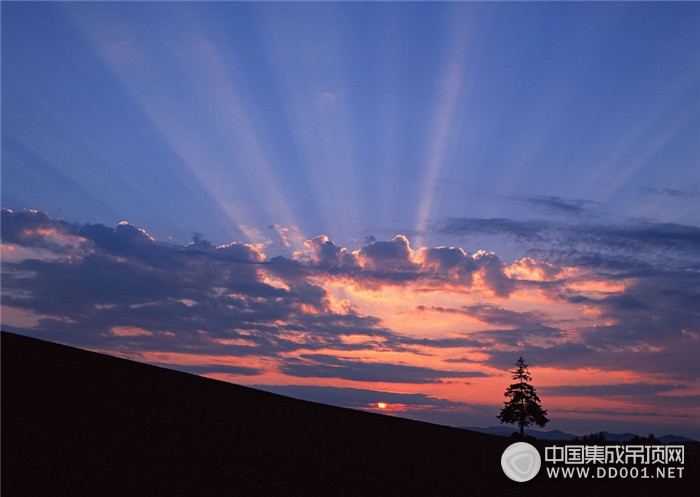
605, 312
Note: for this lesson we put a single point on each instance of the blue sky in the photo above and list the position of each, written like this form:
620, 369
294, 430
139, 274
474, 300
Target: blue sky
346, 119
338, 146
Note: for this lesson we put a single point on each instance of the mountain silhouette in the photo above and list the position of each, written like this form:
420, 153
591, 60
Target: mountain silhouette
554, 435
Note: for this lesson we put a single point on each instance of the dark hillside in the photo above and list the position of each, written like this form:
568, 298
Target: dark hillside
79, 423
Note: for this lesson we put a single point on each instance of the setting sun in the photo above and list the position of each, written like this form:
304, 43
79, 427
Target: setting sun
381, 405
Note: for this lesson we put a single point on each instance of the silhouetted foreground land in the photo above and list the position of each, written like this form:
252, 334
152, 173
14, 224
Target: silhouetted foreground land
79, 423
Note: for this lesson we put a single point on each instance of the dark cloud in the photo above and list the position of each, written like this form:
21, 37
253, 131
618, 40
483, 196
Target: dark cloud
438, 343
650, 399
325, 366
677, 362
194, 299
124, 238
616, 390
672, 192
657, 312
357, 397
494, 315
523, 328
626, 413
504, 317
630, 244
30, 228
329, 255
526, 231
450, 263
388, 257
561, 205
126, 279
117, 289
519, 338
234, 251
493, 273
213, 369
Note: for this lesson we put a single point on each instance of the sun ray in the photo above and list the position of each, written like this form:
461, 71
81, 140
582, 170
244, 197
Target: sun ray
317, 114
214, 135
443, 138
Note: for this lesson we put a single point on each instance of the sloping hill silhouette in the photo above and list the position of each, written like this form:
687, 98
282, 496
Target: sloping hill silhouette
79, 423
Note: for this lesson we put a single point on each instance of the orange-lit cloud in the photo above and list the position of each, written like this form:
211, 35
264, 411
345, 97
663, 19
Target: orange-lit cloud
441, 323
127, 331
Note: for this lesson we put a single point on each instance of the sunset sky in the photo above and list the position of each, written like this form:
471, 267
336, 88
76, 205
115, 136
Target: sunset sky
378, 205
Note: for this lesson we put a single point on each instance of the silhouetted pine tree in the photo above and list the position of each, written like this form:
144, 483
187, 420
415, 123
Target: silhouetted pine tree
524, 406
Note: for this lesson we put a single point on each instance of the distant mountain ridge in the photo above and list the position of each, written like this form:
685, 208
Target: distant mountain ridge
558, 435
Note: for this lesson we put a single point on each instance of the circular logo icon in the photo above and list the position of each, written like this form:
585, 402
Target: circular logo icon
521, 462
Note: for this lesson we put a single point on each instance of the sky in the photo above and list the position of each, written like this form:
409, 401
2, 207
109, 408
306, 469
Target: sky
377, 205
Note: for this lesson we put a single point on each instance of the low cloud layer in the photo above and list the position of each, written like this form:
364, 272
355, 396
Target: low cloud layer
440, 324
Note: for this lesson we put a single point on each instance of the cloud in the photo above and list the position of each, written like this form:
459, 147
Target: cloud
671, 192
396, 263
527, 231
327, 254
562, 205
393, 256
621, 245
325, 366
626, 413
495, 315
122, 239
214, 369
450, 263
385, 313
359, 398
35, 229
616, 390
